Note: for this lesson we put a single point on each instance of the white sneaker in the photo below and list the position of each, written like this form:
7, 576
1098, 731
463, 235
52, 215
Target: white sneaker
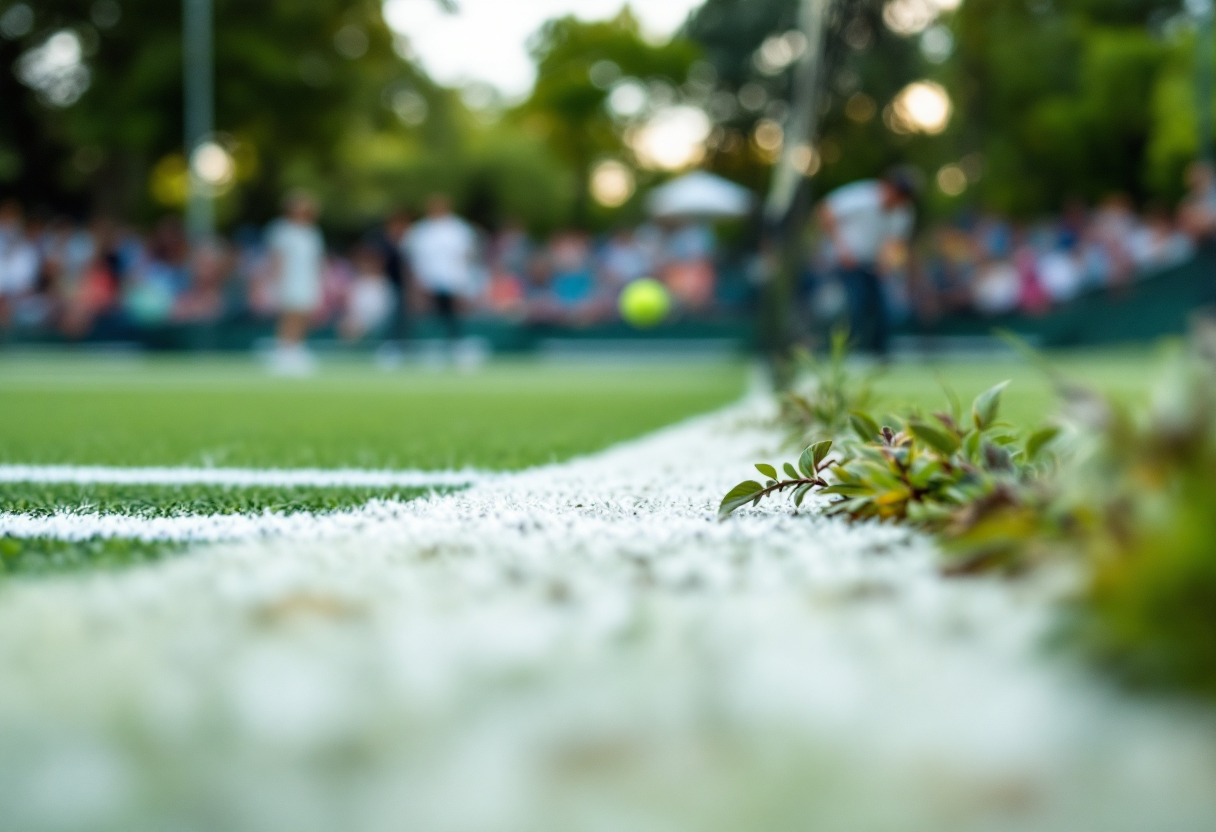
292, 361
388, 356
469, 354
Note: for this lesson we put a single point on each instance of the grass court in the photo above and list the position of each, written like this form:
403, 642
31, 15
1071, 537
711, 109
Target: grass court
127, 411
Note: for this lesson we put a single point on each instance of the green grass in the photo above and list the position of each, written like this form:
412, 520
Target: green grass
1125, 374
46, 555
80, 409
41, 499
227, 412
173, 410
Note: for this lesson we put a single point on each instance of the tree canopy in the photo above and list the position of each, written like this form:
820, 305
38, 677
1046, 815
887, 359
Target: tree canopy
1052, 100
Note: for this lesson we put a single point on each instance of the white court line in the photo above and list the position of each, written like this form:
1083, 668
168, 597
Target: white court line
283, 477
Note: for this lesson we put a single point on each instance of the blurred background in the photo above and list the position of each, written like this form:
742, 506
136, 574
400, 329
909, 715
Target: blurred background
147, 148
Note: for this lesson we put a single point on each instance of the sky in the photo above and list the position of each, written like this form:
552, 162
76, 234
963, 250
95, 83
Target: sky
486, 40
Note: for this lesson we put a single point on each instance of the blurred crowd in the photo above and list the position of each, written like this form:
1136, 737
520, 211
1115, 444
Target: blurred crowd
103, 278
106, 280
988, 265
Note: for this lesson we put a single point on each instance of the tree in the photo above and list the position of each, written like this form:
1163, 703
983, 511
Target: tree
1053, 99
567, 106
292, 79
1059, 99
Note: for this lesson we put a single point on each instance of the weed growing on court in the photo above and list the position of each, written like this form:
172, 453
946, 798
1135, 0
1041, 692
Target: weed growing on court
829, 393
1128, 494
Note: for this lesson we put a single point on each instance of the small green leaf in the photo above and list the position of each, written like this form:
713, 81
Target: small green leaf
739, 496
971, 445
1039, 439
986, 405
866, 428
768, 470
806, 462
819, 452
791, 471
939, 440
846, 490
800, 494
956, 407
843, 474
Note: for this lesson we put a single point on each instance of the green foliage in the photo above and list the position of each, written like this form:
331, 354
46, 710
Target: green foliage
976, 484
1056, 100
821, 404
366, 129
1126, 496
1143, 499
567, 108
810, 465
286, 95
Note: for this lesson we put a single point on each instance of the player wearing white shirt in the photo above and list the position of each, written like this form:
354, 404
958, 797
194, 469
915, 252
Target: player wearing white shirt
860, 220
297, 252
442, 251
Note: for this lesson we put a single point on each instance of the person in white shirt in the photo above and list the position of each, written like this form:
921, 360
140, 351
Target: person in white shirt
861, 220
442, 251
370, 300
1197, 213
297, 253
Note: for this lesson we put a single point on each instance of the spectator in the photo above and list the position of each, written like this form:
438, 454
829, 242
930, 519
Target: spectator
1158, 244
203, 299
859, 220
1198, 211
505, 295
151, 294
19, 262
1060, 274
624, 260
297, 252
442, 250
688, 267
997, 288
389, 242
1112, 228
371, 300
572, 283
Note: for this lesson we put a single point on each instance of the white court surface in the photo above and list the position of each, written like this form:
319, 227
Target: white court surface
576, 647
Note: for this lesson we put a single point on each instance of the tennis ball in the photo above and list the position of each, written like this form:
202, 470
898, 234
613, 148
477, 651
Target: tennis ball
645, 303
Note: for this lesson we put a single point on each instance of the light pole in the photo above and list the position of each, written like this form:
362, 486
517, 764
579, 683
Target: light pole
1205, 52
199, 83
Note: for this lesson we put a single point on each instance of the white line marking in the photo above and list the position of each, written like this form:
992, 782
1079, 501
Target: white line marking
284, 477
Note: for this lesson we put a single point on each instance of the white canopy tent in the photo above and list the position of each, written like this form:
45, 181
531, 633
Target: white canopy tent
699, 195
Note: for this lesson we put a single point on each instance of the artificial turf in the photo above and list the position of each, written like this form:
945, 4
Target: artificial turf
227, 412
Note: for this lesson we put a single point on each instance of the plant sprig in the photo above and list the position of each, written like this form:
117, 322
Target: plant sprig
938, 473
803, 479
1128, 495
